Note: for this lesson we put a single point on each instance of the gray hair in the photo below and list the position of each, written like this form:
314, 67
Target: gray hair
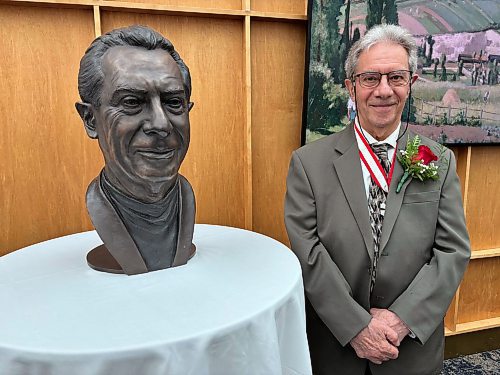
91, 76
382, 33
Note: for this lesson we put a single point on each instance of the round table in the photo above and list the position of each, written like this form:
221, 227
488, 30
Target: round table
237, 307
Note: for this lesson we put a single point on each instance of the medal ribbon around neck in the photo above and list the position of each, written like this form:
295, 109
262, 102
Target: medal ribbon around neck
372, 163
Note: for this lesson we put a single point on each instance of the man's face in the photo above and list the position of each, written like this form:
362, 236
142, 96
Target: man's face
379, 108
143, 121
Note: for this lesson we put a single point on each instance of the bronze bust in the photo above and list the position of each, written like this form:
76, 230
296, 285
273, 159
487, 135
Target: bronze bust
135, 91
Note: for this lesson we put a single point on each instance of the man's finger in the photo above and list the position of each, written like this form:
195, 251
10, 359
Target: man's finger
391, 336
391, 352
393, 342
386, 351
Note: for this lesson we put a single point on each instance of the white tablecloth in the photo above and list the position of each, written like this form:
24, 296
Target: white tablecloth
236, 308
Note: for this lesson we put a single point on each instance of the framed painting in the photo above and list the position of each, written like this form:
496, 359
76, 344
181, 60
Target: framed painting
456, 99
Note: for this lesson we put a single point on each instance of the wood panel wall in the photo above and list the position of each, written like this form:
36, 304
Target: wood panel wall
247, 63
46, 159
476, 304
277, 87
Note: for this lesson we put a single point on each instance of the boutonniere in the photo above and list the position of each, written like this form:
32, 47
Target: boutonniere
418, 162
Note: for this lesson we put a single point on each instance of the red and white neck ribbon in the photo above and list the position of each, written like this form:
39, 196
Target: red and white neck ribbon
372, 162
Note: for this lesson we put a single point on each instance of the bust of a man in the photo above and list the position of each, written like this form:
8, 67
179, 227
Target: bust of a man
135, 92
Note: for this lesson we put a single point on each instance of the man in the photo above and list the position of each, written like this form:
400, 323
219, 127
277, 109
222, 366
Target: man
351, 110
380, 267
135, 92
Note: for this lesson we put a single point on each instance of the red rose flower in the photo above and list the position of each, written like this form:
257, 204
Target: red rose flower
425, 155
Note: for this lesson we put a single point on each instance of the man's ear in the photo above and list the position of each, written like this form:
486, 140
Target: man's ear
350, 87
190, 106
86, 112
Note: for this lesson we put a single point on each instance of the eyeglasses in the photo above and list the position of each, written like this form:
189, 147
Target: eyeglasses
395, 78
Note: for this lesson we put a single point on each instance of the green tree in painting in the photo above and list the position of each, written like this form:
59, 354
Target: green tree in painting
381, 11
317, 33
374, 13
325, 33
318, 116
332, 13
356, 35
391, 12
337, 97
345, 44
413, 109
443, 76
495, 73
327, 98
431, 42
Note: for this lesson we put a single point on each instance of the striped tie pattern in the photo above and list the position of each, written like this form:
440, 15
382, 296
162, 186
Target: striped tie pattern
376, 208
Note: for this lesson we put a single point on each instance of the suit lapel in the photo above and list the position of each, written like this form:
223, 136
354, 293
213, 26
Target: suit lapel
112, 231
348, 168
394, 200
186, 223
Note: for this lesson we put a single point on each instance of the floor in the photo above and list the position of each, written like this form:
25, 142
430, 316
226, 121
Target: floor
487, 363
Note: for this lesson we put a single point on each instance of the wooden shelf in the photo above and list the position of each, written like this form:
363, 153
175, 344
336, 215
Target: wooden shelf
488, 253
269, 16
474, 326
160, 8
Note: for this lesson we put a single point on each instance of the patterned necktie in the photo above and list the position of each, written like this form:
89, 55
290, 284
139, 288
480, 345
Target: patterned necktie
376, 208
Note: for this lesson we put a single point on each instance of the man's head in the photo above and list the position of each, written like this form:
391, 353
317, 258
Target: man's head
91, 76
135, 92
380, 69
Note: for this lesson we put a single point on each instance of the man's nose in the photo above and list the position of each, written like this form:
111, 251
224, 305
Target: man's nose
383, 88
159, 122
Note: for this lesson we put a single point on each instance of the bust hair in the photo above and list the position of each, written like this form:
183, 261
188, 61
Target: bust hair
91, 76
382, 33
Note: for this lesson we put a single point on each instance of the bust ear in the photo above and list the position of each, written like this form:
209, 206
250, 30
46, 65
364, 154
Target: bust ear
86, 112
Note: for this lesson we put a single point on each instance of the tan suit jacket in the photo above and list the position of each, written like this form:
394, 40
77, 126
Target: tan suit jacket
424, 252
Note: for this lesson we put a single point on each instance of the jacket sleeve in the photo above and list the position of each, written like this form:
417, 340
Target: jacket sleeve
422, 306
325, 286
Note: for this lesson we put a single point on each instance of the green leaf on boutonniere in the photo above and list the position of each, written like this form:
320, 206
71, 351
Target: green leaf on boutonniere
418, 161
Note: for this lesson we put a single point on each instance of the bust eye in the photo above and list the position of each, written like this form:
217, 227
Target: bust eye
175, 104
131, 102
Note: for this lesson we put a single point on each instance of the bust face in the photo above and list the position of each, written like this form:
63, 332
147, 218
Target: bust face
142, 123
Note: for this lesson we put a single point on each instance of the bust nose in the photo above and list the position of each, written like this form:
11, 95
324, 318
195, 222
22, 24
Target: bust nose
158, 122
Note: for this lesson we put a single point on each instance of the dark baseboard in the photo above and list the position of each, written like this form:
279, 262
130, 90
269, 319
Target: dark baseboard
470, 343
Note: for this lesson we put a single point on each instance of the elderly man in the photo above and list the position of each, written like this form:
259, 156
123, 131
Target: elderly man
135, 92
382, 240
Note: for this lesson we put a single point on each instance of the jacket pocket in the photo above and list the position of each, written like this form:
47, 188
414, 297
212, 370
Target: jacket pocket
424, 196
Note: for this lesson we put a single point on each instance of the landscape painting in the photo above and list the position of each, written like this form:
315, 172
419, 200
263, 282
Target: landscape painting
456, 99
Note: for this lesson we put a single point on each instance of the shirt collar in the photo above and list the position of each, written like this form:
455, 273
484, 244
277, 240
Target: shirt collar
391, 140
